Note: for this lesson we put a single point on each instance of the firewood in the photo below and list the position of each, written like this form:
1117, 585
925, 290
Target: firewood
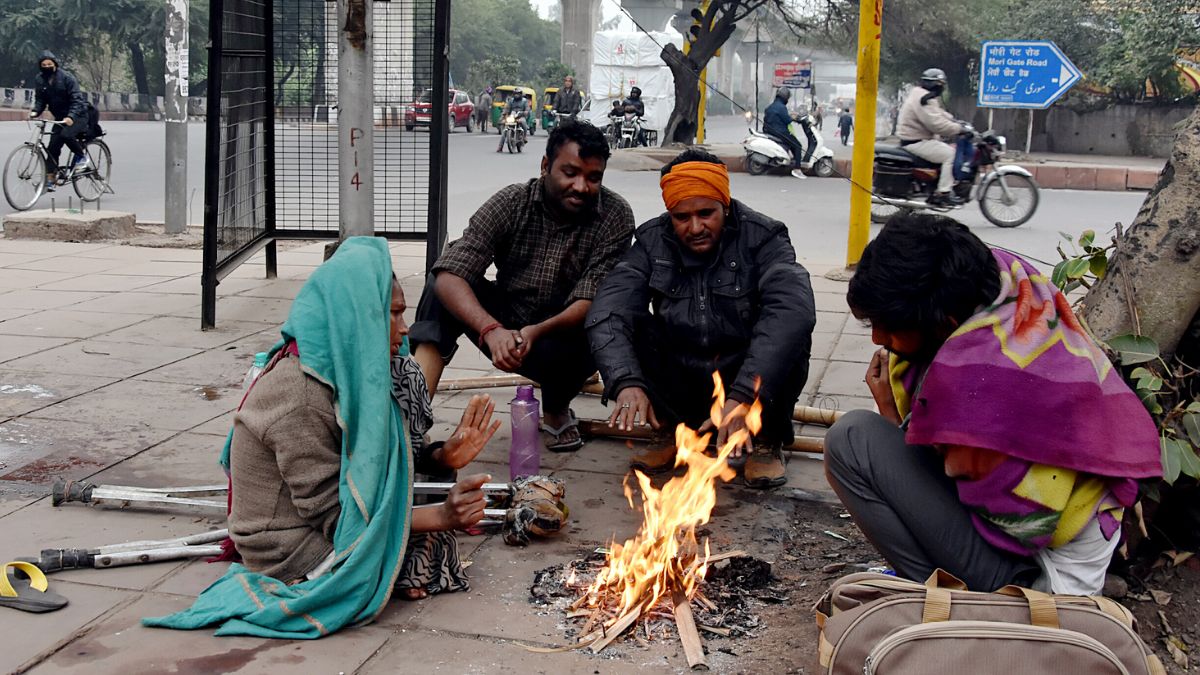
592, 427
723, 632
685, 622
614, 630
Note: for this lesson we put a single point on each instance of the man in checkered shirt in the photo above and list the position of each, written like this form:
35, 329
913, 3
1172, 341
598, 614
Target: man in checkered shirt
552, 240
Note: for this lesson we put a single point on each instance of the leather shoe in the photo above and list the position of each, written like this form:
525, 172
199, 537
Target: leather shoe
765, 467
658, 458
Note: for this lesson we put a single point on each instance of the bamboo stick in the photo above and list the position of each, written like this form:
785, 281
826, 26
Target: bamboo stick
685, 623
802, 413
592, 427
613, 631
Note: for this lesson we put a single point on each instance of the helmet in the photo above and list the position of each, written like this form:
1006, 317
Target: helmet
783, 93
635, 92
933, 77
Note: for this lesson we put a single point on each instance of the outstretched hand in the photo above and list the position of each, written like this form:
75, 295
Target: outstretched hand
474, 431
733, 419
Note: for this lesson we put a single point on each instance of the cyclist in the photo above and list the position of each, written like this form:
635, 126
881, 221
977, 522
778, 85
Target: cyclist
59, 91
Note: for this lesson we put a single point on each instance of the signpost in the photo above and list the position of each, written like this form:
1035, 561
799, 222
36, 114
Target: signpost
1024, 74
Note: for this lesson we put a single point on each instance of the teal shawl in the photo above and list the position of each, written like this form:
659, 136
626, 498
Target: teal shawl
340, 323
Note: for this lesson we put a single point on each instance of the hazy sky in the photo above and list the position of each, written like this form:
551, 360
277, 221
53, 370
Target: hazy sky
607, 8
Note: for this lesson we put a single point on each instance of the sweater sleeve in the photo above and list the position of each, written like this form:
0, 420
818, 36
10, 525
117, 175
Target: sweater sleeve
307, 447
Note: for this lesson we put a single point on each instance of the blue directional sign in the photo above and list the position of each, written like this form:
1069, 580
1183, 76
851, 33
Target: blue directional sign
1023, 74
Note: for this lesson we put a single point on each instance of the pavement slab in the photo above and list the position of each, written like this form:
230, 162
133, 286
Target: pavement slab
36, 450
220, 367
98, 357
67, 263
188, 457
116, 644
40, 299
181, 332
144, 303
16, 346
108, 283
155, 405
24, 391
68, 323
40, 634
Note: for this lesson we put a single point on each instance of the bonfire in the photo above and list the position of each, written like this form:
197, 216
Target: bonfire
663, 566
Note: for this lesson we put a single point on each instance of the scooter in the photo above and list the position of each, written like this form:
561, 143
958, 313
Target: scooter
764, 153
1007, 194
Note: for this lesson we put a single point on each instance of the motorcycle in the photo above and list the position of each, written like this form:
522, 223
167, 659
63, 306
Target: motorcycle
764, 153
512, 135
631, 130
1007, 194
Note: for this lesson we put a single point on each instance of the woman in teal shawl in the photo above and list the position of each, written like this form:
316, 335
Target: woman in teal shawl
331, 375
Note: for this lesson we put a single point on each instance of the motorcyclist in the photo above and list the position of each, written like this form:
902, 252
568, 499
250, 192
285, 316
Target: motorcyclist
921, 123
777, 124
518, 105
634, 101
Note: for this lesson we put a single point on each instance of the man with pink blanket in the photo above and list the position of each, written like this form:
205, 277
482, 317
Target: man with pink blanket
1006, 446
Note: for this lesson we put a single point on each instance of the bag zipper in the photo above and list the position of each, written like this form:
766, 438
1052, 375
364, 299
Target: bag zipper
986, 629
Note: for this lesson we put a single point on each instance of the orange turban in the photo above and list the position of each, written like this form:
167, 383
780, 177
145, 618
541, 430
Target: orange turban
695, 179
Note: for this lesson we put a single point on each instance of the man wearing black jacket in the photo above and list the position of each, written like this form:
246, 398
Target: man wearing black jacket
711, 285
59, 91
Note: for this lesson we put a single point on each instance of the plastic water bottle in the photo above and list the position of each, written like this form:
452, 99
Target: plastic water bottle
260, 363
525, 455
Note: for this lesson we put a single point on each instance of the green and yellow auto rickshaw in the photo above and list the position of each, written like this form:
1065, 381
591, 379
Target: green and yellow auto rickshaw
548, 95
500, 98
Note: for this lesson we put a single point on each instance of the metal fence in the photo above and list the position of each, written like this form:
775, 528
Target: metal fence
272, 150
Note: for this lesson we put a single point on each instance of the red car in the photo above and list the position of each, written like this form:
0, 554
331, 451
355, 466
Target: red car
460, 112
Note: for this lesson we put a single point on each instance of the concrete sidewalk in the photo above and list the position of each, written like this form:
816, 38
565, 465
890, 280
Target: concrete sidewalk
105, 375
1051, 171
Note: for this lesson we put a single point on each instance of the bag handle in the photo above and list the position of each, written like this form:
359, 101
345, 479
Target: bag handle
1043, 611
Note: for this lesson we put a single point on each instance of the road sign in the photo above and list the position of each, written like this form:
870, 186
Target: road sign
794, 74
1023, 74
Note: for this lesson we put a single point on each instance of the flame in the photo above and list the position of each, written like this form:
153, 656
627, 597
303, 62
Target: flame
664, 556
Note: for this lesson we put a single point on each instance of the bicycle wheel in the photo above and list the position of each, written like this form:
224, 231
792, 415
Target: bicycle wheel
24, 177
93, 181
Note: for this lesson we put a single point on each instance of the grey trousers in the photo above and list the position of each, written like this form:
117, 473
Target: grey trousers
902, 500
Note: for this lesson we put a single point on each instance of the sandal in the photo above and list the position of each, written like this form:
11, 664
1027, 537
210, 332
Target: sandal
558, 445
28, 592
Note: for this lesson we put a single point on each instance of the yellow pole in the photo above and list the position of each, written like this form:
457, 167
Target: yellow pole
870, 26
703, 104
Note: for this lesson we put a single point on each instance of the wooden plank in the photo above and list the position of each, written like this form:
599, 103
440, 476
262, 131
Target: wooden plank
600, 428
614, 630
685, 622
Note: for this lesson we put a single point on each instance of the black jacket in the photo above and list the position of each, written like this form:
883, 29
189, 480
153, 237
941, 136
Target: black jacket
639, 106
753, 301
568, 102
60, 92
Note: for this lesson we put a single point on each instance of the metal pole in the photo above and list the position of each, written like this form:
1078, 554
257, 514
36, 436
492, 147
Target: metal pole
870, 29
991, 112
212, 174
435, 233
757, 67
356, 123
175, 104
1029, 134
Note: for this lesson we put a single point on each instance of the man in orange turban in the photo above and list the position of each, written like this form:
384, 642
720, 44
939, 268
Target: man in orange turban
710, 285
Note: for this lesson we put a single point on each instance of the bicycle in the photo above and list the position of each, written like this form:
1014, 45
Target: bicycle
25, 170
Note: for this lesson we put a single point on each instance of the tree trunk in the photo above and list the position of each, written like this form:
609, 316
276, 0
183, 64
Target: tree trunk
137, 61
1158, 257
681, 125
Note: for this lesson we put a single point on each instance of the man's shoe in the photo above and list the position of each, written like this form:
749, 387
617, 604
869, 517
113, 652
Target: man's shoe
658, 458
765, 468
797, 173
944, 200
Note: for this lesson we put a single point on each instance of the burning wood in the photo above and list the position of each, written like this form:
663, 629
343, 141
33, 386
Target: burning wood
660, 569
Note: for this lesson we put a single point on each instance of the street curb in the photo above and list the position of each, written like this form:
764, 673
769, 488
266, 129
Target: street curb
1048, 176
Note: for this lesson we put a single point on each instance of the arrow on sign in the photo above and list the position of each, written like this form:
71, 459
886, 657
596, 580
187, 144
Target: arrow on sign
1023, 74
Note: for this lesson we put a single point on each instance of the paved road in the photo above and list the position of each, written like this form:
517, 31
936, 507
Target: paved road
814, 209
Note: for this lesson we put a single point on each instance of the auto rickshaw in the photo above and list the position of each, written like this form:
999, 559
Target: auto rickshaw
500, 98
548, 107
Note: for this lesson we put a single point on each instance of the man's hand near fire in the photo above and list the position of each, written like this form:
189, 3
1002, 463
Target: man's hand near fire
733, 419
633, 408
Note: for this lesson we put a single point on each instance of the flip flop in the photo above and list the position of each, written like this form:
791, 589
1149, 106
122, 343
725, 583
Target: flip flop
28, 593
556, 433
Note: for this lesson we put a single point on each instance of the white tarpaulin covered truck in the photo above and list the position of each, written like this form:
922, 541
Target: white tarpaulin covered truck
622, 60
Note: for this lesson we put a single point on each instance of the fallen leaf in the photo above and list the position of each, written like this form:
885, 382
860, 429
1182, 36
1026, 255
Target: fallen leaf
1178, 559
1165, 624
1177, 650
1160, 597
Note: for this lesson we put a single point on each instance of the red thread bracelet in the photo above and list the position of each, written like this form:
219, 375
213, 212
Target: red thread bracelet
489, 328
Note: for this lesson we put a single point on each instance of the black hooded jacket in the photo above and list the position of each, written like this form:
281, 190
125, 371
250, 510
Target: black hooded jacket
59, 92
752, 303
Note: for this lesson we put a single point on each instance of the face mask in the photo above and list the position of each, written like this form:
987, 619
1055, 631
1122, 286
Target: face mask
48, 71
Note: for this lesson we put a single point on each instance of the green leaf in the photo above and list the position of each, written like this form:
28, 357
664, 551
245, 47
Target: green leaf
1099, 265
1087, 238
1189, 462
1134, 349
1171, 460
1059, 276
1140, 373
1150, 400
1191, 424
1077, 267
1194, 406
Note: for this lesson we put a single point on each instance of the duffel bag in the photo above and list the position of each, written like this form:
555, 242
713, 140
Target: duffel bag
875, 623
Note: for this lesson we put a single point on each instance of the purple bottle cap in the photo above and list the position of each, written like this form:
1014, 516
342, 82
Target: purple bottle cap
525, 392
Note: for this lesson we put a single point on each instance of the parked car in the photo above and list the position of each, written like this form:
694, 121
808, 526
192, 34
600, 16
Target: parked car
460, 111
